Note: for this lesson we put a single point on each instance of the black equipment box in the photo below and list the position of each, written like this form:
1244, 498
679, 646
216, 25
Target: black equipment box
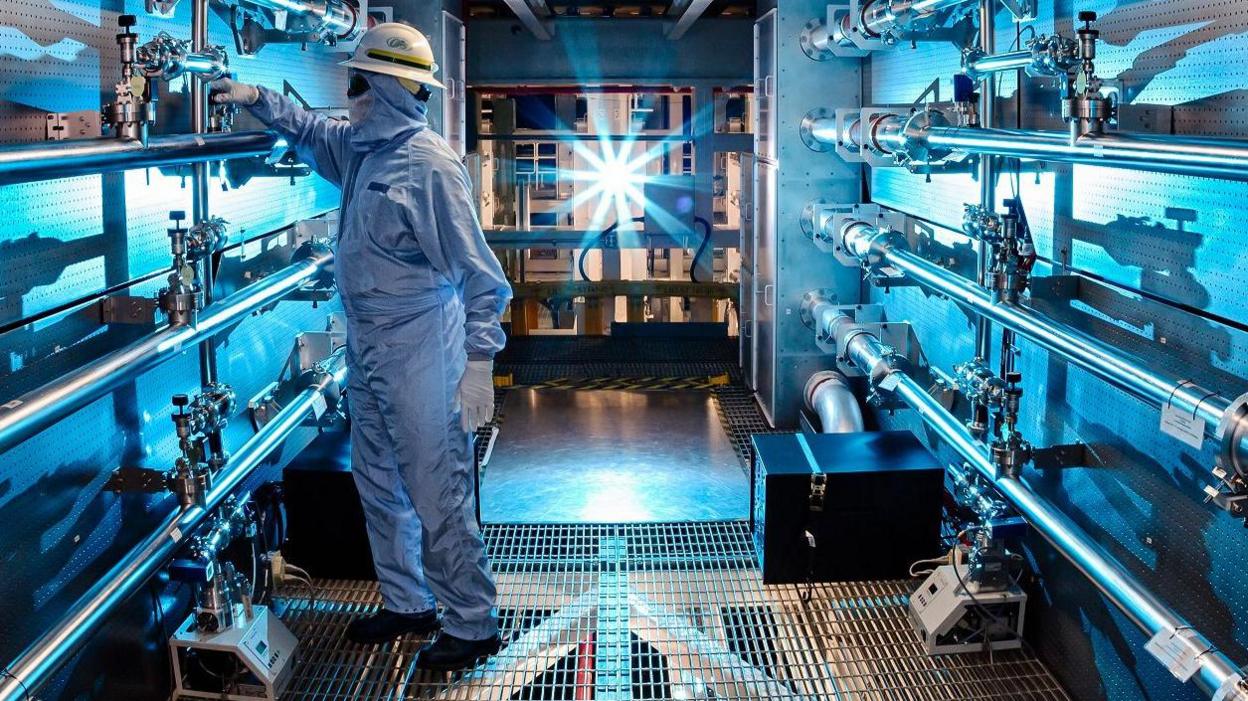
872, 501
325, 532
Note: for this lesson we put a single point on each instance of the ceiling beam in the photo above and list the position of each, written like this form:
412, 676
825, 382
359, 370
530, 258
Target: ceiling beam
525, 10
693, 9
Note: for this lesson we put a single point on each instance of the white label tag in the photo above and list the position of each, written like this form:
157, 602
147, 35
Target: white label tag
1176, 651
199, 141
11, 405
890, 382
319, 405
1183, 426
176, 534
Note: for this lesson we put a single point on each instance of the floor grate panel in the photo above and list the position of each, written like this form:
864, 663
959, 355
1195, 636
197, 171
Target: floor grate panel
657, 611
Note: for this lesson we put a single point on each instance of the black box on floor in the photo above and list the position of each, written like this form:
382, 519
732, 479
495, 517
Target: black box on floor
881, 505
325, 532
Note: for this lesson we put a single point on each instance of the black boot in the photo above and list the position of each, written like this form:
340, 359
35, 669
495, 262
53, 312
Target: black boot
388, 625
448, 653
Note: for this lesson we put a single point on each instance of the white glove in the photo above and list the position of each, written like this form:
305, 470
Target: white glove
232, 92
476, 395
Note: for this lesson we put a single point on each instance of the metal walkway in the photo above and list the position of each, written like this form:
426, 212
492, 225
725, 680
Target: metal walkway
658, 611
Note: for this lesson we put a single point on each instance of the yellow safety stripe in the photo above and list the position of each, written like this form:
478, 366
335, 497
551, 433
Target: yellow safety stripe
392, 57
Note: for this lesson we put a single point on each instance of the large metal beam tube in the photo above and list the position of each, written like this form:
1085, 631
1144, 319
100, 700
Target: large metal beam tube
41, 660
62, 159
1217, 673
1098, 358
882, 17
333, 15
40, 408
830, 397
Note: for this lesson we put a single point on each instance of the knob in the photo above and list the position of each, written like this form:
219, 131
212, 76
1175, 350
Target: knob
1087, 16
177, 215
127, 21
181, 400
1013, 377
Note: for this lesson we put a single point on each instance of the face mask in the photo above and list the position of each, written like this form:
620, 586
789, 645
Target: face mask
359, 107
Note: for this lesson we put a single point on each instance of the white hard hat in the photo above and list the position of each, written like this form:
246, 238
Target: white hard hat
398, 50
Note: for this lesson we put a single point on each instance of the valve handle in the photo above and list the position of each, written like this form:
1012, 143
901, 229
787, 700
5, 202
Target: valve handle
1087, 16
181, 400
127, 21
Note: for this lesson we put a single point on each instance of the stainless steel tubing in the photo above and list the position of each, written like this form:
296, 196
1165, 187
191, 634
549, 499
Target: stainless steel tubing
333, 15
883, 16
199, 183
61, 159
36, 410
1100, 359
987, 170
39, 661
830, 397
1217, 672
999, 63
1179, 155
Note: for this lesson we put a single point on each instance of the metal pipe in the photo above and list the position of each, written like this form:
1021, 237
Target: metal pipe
334, 16
830, 397
1082, 350
1216, 674
65, 639
40, 408
987, 172
999, 63
1179, 155
61, 159
199, 185
884, 17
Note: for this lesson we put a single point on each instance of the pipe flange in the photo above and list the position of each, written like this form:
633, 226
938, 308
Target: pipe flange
807, 218
806, 129
915, 147
813, 36
1232, 433
810, 300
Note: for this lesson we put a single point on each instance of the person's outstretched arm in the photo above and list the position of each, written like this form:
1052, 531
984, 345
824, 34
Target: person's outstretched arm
322, 143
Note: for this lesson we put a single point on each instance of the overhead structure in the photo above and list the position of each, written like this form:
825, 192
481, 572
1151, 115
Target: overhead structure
528, 13
690, 11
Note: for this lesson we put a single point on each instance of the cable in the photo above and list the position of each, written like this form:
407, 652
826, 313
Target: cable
580, 263
706, 239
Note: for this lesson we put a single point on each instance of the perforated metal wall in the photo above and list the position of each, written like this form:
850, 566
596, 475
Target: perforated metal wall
62, 243
1171, 254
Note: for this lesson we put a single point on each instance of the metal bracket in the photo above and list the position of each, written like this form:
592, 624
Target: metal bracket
870, 156
1062, 456
84, 124
833, 218
122, 309
127, 480
310, 349
836, 13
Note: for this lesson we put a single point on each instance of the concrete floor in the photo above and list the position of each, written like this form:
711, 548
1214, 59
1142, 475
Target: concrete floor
618, 456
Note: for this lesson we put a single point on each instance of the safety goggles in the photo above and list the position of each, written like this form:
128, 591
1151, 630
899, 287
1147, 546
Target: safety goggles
356, 85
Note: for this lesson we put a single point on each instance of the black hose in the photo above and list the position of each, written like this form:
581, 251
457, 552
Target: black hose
706, 240
580, 263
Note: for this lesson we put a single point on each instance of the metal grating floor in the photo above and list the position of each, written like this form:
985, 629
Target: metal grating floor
657, 611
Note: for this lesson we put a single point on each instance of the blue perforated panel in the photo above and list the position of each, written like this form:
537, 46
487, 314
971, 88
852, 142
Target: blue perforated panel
1171, 246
